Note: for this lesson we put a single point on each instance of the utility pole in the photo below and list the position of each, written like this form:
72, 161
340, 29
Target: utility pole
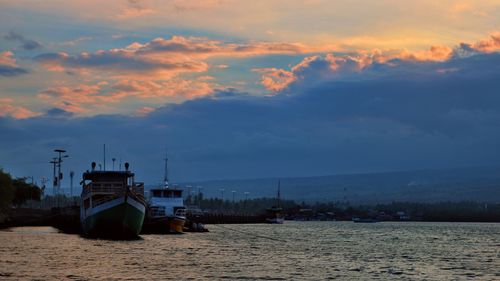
222, 194
54, 179
44, 181
199, 195
165, 175
104, 154
188, 194
246, 199
113, 159
71, 175
59, 162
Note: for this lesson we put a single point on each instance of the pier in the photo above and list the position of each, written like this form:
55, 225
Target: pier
67, 219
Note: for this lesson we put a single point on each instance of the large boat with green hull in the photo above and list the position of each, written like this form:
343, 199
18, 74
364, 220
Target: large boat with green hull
112, 204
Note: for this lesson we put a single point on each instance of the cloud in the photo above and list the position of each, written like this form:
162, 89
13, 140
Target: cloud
76, 41
120, 62
489, 45
325, 126
58, 113
86, 99
174, 88
7, 108
27, 44
275, 79
375, 63
143, 111
166, 57
201, 47
135, 8
8, 65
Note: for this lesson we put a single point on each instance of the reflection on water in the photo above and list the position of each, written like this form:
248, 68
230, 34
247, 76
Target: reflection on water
294, 250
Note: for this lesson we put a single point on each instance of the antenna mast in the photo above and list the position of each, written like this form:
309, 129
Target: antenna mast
104, 154
165, 178
279, 195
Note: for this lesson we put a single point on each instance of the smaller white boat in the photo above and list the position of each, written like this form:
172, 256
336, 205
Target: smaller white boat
166, 210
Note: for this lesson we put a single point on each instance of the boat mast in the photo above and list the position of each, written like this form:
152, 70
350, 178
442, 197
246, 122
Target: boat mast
279, 185
165, 177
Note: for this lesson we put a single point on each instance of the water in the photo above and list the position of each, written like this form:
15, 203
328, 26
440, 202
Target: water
293, 251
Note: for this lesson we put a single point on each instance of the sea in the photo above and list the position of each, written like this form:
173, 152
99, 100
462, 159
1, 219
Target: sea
292, 251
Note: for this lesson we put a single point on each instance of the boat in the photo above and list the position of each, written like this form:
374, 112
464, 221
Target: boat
166, 211
275, 213
112, 204
364, 220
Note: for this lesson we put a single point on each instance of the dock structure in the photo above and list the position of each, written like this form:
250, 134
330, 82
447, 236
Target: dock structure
67, 219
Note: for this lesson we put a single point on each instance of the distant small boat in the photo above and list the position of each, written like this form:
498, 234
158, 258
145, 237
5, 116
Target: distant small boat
275, 213
364, 220
112, 204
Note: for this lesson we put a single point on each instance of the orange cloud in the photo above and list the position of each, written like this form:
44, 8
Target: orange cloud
121, 63
7, 59
17, 112
489, 45
86, 98
275, 79
143, 111
179, 88
200, 47
8, 65
82, 98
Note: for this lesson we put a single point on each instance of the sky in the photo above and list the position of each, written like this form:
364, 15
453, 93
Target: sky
248, 89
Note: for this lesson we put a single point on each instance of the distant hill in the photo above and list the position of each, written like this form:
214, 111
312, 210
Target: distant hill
475, 184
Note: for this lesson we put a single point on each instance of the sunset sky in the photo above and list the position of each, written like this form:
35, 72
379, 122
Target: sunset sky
250, 88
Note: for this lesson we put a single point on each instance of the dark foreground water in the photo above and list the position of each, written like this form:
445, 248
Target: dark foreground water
293, 251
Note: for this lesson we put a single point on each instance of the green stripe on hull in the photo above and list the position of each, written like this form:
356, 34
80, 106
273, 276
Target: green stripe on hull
122, 220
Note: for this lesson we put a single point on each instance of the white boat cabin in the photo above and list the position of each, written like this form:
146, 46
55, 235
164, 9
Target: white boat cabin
166, 202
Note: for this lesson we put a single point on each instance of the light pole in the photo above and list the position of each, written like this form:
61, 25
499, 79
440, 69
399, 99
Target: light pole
54, 179
71, 175
113, 159
222, 194
199, 195
246, 199
59, 164
189, 193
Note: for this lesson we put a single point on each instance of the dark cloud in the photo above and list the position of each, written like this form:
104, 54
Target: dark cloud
10, 71
58, 112
27, 44
402, 115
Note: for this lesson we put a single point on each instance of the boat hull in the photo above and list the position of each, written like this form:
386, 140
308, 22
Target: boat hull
120, 218
275, 220
164, 225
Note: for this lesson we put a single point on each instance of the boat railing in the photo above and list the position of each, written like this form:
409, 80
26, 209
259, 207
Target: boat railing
138, 187
104, 188
157, 211
180, 212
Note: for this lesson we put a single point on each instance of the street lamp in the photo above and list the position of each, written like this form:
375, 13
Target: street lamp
189, 193
71, 175
222, 194
58, 162
199, 195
